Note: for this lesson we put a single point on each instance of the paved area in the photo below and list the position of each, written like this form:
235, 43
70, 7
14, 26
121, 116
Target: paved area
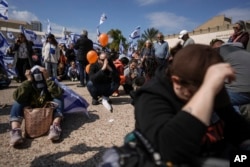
83, 139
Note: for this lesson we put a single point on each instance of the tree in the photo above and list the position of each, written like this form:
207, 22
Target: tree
116, 35
150, 34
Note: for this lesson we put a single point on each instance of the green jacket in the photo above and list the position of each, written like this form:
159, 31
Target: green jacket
26, 93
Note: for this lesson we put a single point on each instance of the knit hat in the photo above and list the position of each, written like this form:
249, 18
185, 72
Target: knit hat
192, 62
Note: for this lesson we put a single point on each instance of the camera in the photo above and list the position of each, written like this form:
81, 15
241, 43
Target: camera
38, 78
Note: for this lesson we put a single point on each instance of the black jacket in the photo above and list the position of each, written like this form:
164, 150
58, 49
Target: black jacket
83, 45
96, 75
177, 135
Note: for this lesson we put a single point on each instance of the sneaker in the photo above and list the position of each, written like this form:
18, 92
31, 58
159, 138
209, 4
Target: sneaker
54, 132
72, 79
106, 104
81, 85
16, 136
75, 79
95, 101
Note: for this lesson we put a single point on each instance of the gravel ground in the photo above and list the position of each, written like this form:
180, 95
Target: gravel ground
83, 139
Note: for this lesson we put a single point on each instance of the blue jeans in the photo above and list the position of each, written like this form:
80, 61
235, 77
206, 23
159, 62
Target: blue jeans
238, 99
16, 112
83, 75
52, 69
102, 89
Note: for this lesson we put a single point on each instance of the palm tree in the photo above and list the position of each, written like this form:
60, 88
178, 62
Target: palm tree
150, 34
117, 36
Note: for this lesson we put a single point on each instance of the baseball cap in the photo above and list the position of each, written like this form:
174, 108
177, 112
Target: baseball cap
182, 33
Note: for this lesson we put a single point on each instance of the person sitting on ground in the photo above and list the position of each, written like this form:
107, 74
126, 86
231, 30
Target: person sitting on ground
103, 80
239, 58
73, 71
120, 63
177, 108
240, 34
35, 92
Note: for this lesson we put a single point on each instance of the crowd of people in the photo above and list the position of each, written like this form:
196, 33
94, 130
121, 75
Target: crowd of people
167, 87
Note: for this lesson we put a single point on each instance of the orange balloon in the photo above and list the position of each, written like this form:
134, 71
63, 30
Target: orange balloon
103, 39
92, 56
87, 68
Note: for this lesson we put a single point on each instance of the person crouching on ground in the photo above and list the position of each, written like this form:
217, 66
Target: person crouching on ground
103, 80
35, 92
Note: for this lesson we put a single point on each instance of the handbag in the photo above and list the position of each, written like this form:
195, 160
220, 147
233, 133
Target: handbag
38, 120
135, 152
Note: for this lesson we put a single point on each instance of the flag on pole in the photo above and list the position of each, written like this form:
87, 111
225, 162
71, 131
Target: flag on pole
136, 33
103, 18
121, 48
4, 9
31, 36
49, 29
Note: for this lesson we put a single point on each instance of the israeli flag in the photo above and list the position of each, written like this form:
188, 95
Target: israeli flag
6, 61
49, 29
74, 37
10, 35
136, 33
31, 36
121, 48
4, 9
73, 102
3, 44
103, 18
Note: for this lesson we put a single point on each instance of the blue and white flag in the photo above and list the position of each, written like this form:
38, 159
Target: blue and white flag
10, 35
31, 36
73, 102
4, 9
98, 33
121, 48
49, 29
3, 44
136, 33
6, 61
74, 37
103, 18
